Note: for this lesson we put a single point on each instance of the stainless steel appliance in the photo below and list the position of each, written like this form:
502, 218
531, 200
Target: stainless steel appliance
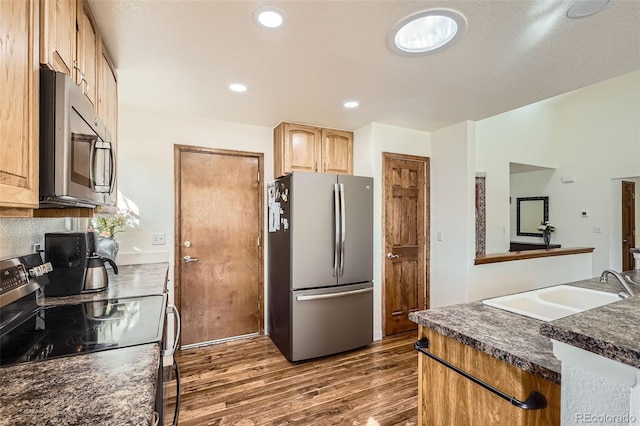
30, 333
320, 264
77, 162
76, 267
96, 278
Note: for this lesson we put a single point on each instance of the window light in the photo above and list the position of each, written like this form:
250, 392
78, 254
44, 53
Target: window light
426, 32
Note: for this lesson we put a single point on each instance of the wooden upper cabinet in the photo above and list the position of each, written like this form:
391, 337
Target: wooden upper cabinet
337, 151
58, 35
87, 53
107, 92
299, 147
19, 105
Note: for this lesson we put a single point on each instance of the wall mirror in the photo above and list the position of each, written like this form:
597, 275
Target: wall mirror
530, 212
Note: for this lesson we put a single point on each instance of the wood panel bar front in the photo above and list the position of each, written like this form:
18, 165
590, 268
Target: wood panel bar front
448, 398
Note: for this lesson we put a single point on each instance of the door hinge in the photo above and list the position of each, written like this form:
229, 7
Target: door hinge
258, 177
259, 238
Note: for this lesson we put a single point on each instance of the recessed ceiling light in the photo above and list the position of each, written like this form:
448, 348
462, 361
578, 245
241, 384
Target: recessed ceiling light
583, 8
426, 32
238, 87
351, 104
270, 17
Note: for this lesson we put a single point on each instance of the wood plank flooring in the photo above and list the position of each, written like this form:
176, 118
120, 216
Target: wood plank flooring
249, 382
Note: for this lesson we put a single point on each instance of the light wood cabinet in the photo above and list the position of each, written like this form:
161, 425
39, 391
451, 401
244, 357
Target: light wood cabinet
87, 53
19, 105
58, 35
107, 109
299, 147
445, 397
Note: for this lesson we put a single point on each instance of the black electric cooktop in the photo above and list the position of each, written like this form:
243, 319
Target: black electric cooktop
58, 331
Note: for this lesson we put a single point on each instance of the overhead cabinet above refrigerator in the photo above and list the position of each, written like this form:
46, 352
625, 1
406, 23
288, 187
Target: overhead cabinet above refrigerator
320, 263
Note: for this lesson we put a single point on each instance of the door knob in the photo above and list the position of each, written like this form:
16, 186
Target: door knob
392, 256
189, 259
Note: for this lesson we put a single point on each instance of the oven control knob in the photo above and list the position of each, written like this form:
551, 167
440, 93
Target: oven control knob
40, 270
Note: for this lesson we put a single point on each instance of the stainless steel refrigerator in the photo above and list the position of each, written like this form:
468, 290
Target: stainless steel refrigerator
320, 264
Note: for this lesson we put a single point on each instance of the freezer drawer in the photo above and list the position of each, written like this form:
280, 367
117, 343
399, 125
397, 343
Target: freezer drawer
331, 320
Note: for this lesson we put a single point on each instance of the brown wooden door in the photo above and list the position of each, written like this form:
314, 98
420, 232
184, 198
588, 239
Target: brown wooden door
628, 224
337, 152
405, 230
219, 213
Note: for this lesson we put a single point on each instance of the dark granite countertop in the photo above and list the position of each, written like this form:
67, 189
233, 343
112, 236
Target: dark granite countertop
131, 281
114, 387
610, 331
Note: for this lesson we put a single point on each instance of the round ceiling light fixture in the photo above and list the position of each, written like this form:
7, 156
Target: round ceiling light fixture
351, 104
584, 8
270, 17
238, 87
426, 32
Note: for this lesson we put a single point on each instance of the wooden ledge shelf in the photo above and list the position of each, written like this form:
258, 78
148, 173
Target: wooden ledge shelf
483, 259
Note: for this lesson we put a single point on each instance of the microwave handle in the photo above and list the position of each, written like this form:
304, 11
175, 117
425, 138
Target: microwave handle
111, 169
92, 165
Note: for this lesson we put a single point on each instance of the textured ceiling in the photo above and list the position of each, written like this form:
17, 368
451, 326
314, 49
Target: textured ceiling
180, 56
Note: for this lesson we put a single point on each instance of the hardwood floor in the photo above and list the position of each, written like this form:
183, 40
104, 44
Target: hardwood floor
249, 382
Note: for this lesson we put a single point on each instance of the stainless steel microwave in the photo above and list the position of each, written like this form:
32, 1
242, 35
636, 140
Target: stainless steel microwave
77, 161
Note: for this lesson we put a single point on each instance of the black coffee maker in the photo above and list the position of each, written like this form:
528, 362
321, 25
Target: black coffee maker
73, 257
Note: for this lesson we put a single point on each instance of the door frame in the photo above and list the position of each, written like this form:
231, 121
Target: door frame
177, 242
427, 229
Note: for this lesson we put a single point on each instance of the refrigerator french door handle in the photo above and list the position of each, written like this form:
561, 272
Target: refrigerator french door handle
343, 217
333, 295
336, 216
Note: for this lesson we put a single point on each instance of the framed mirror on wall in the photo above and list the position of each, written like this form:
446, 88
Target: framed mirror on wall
530, 212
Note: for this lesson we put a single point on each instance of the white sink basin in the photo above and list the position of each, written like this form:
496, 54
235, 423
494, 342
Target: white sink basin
551, 303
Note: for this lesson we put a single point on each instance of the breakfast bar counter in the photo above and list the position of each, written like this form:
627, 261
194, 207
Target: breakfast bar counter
515, 359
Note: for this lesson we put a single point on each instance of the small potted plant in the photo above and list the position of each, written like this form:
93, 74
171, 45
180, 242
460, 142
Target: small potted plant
547, 228
107, 227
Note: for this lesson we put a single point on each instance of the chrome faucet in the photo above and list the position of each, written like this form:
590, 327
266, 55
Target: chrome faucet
605, 275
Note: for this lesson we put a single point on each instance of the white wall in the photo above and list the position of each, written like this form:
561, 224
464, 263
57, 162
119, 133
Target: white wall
592, 134
597, 134
370, 142
452, 212
145, 174
519, 136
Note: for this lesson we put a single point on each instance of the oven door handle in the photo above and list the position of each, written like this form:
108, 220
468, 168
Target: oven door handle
172, 310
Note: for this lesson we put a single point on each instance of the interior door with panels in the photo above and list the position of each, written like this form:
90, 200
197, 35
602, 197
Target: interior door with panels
406, 258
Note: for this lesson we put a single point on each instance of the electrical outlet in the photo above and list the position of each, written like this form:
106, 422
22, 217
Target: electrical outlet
37, 248
439, 236
158, 239
596, 230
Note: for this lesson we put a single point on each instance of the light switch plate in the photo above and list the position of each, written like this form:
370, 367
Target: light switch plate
158, 239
